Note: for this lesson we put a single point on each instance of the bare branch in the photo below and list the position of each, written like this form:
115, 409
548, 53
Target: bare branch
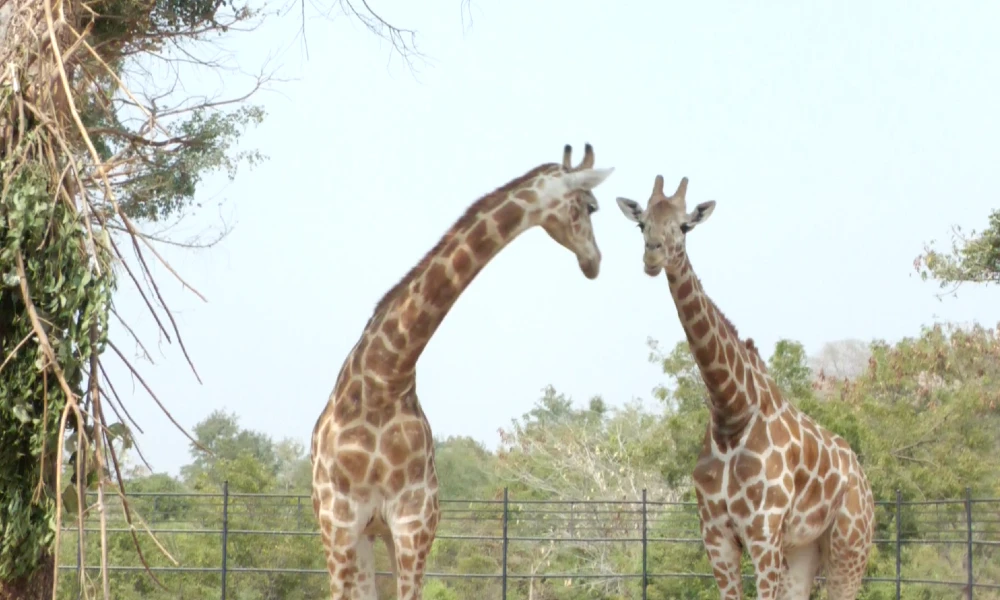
156, 399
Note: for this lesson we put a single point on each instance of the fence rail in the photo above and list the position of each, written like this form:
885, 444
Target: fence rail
514, 542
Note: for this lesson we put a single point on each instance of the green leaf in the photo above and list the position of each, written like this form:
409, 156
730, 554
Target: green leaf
93, 478
117, 430
21, 413
70, 499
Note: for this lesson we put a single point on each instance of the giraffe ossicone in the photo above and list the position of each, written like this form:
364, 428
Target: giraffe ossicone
372, 449
769, 479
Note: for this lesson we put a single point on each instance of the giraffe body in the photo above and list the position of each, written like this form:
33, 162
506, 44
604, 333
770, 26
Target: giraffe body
769, 479
785, 483
372, 449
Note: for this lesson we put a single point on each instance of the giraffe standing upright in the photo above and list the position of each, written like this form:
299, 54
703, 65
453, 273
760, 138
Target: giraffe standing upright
372, 451
768, 479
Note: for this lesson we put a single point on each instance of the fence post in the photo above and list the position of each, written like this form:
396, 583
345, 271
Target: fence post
503, 572
968, 549
899, 544
645, 582
225, 533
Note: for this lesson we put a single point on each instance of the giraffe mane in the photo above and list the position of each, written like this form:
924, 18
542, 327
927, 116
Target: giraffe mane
748, 343
470, 215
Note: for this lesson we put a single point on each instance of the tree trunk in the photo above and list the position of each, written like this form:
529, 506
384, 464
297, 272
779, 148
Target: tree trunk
36, 586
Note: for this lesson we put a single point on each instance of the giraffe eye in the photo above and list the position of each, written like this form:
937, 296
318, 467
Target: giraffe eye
591, 209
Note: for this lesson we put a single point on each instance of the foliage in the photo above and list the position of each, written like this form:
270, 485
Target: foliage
973, 257
40, 247
464, 468
684, 419
201, 143
789, 368
925, 414
247, 459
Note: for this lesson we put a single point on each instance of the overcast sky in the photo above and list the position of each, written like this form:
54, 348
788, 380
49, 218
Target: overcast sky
836, 139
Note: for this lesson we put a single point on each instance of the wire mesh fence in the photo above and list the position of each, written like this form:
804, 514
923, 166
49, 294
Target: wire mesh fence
231, 545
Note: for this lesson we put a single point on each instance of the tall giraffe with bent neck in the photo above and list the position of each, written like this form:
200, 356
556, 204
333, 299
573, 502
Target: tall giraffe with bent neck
768, 479
372, 450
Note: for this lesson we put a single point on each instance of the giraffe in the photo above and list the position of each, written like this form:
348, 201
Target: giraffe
768, 479
372, 451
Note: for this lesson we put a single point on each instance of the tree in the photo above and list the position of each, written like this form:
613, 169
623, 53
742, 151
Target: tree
465, 469
78, 174
974, 257
246, 459
789, 369
85, 161
685, 417
562, 453
294, 467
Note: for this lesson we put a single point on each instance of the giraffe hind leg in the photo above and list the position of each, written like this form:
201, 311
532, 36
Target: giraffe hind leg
340, 548
845, 550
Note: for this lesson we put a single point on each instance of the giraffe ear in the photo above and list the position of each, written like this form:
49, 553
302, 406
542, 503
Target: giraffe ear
586, 179
697, 216
630, 208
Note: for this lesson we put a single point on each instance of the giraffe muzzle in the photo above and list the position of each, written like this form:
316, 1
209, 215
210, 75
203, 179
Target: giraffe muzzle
590, 267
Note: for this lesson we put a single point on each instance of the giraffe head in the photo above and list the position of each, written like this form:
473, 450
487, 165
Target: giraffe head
567, 203
665, 224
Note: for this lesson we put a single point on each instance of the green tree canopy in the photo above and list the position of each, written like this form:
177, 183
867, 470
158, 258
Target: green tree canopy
974, 257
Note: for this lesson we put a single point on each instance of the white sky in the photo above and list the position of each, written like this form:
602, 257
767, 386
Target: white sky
836, 140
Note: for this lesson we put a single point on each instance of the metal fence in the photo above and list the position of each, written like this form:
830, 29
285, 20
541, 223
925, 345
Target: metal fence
505, 543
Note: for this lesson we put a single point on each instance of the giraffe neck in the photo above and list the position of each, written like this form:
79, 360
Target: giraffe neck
723, 360
409, 315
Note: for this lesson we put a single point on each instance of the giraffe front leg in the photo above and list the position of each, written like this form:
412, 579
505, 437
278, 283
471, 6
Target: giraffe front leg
722, 546
724, 555
413, 526
768, 563
341, 532
340, 545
